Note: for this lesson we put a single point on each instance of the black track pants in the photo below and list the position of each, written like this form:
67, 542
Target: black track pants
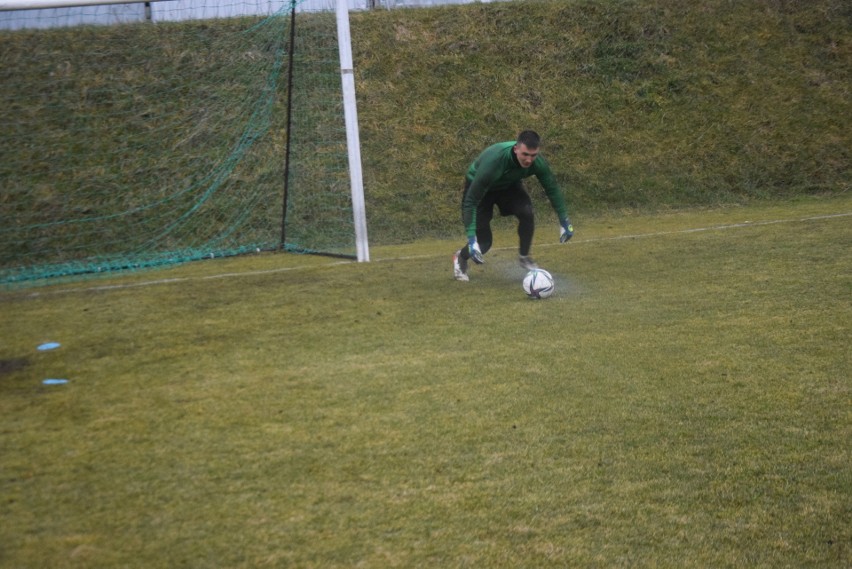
511, 201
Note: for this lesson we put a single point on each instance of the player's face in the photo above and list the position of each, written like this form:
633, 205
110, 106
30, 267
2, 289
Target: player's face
526, 156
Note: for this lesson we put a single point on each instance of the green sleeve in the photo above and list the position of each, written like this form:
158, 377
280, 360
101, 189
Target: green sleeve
487, 169
551, 187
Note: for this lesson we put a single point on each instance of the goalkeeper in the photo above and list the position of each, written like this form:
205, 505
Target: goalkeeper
496, 178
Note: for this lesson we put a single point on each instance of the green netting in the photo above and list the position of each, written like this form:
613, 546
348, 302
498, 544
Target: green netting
142, 145
319, 205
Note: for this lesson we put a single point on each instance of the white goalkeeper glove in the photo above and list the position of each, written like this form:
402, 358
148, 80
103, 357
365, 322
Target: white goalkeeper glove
567, 230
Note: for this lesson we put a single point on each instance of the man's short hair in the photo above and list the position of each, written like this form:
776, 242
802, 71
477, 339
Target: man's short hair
529, 138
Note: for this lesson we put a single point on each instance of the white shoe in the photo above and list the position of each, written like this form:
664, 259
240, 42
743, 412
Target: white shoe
527, 262
460, 267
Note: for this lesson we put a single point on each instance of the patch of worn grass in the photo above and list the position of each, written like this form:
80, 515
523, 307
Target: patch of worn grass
683, 400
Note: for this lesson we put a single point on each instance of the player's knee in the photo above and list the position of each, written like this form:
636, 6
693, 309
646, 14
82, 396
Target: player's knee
525, 216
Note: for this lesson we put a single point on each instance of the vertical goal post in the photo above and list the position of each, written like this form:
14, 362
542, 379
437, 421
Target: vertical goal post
353, 143
350, 161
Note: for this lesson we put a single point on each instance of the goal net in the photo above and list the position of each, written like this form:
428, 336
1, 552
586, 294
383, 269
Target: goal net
140, 145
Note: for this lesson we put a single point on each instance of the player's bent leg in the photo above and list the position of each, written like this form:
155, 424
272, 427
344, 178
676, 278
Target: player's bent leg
526, 230
460, 266
516, 202
484, 236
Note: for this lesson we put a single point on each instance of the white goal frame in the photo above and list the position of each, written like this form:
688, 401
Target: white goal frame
350, 108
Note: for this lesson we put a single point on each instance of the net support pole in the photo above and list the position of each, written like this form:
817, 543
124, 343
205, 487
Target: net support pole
289, 123
353, 143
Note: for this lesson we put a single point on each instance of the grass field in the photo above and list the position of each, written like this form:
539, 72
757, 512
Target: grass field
682, 401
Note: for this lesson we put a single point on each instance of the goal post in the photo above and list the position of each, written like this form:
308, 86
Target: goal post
143, 145
353, 143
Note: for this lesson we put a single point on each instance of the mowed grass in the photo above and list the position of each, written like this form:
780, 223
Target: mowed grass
682, 401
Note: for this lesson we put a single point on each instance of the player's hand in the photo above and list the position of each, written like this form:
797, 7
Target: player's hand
474, 250
567, 230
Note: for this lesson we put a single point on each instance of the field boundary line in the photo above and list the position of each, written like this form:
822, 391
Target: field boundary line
656, 233
172, 280
119, 286
718, 227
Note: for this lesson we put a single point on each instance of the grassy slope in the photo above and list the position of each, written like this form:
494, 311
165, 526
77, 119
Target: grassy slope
644, 103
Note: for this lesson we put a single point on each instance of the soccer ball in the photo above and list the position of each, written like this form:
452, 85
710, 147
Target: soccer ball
538, 284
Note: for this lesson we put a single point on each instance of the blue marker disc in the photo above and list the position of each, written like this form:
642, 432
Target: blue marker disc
48, 346
54, 381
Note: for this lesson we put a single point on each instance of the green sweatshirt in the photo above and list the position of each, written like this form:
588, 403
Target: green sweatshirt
497, 169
